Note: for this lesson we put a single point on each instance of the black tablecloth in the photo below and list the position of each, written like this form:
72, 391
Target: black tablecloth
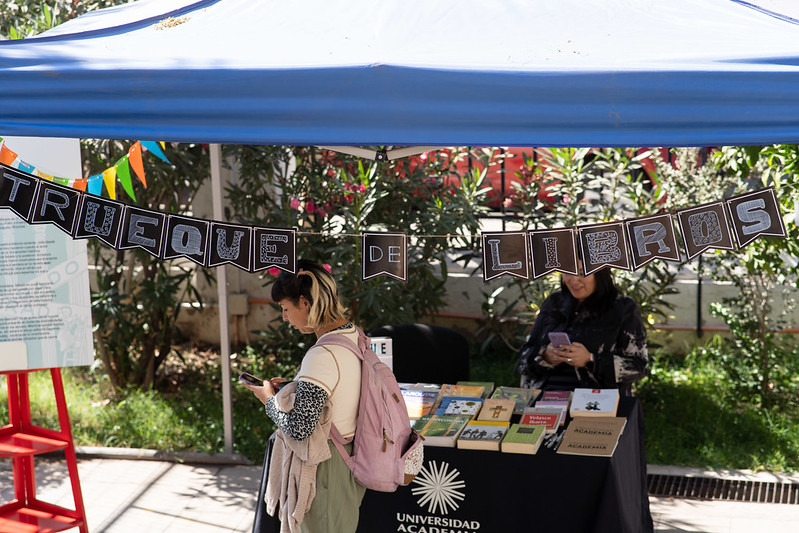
481, 491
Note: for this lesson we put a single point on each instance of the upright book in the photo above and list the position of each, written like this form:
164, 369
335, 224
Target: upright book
597, 436
594, 402
441, 430
520, 395
522, 438
482, 435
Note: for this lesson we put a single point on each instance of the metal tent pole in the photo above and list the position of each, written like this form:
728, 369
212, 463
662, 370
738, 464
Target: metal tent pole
221, 279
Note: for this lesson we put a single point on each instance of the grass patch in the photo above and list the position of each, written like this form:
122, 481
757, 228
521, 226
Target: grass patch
694, 419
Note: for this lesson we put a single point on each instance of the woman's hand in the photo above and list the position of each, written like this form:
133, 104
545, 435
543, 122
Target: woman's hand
575, 354
262, 392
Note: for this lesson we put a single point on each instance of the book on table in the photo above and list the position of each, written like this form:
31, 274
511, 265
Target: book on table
482, 435
418, 402
548, 399
488, 386
441, 430
497, 410
597, 436
474, 391
556, 395
560, 410
459, 405
550, 420
522, 438
522, 396
594, 402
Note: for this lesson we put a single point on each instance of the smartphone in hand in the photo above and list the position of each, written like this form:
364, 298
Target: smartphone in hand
246, 377
558, 338
278, 383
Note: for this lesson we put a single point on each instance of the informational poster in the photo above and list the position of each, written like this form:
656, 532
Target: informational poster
45, 302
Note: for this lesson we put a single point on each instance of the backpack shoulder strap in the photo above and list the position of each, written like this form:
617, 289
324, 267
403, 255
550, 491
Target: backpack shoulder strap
342, 340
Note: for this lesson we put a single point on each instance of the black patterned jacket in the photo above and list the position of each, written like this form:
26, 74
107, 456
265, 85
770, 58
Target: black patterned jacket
616, 336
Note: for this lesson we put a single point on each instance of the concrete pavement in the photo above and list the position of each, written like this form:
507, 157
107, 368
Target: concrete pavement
127, 495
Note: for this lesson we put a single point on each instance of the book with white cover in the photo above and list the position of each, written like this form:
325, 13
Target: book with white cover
594, 402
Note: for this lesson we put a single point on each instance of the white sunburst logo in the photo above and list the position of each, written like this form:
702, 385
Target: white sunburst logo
439, 488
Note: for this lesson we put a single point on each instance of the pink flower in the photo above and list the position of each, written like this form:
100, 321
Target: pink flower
274, 271
508, 202
423, 156
310, 207
327, 267
295, 203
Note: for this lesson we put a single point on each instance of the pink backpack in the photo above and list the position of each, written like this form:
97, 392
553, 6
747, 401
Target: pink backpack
383, 434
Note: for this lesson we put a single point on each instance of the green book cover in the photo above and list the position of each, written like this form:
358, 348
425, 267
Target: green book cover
521, 396
488, 386
441, 430
524, 434
523, 438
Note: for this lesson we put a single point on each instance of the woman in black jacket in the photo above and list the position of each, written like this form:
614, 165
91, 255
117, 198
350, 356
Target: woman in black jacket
607, 335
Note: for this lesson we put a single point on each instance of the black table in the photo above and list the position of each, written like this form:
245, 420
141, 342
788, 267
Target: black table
472, 491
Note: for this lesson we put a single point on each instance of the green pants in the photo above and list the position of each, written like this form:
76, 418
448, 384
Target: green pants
338, 497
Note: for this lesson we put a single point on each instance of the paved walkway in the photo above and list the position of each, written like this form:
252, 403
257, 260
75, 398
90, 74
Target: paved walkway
125, 495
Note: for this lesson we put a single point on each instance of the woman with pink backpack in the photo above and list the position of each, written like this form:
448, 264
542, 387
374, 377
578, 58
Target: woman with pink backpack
309, 484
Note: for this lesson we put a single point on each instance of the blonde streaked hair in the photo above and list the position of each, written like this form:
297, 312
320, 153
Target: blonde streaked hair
316, 285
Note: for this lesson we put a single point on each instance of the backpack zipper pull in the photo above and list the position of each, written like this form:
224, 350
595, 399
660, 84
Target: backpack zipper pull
386, 438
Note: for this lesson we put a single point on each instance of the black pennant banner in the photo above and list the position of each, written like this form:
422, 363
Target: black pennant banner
385, 253
628, 244
232, 244
652, 238
99, 218
143, 229
187, 237
704, 227
505, 253
755, 214
18, 191
56, 204
274, 247
603, 245
553, 251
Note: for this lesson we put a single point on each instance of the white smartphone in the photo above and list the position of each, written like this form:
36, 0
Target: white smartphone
558, 338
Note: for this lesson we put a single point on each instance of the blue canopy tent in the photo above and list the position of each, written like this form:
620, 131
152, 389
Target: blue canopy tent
410, 73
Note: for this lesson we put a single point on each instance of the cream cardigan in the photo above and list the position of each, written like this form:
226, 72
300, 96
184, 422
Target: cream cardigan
291, 486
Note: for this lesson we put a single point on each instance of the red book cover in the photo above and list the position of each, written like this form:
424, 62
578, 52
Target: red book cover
549, 420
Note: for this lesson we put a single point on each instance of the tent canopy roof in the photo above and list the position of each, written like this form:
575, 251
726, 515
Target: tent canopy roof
412, 72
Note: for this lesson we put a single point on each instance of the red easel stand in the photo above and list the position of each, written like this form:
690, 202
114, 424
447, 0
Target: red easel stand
21, 441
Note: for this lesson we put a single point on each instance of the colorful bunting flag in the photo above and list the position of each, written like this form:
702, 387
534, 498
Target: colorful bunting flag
95, 184
7, 157
110, 180
134, 156
154, 149
133, 159
123, 173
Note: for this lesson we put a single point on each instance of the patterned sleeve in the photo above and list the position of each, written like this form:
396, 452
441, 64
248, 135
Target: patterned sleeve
301, 421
